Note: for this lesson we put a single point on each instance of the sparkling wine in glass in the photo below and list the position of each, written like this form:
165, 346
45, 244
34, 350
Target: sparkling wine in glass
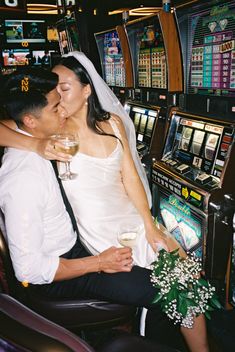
127, 238
70, 146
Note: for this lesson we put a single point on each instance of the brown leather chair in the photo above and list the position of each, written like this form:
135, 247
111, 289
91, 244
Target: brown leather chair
73, 314
22, 329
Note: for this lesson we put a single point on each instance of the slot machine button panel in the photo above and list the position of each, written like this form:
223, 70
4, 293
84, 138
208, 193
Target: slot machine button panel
183, 168
167, 161
173, 163
141, 147
203, 178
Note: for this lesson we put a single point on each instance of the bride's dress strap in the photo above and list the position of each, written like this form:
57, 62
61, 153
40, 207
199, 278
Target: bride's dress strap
113, 122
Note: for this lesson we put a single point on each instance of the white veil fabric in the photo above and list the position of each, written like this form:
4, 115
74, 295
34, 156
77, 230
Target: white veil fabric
110, 103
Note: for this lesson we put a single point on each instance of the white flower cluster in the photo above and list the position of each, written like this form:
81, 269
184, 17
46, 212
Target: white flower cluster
182, 294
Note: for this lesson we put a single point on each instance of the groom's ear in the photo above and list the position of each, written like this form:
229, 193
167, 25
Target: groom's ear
29, 120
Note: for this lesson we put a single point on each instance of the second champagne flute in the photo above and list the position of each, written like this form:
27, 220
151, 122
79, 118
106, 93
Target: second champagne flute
127, 237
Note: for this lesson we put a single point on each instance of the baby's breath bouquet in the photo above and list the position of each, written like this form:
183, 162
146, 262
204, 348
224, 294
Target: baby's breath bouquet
182, 292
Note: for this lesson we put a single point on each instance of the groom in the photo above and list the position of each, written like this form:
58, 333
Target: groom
45, 250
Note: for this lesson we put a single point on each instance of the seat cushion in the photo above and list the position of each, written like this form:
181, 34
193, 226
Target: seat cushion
81, 313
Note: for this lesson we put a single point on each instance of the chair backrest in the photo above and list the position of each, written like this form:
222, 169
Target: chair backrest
8, 281
30, 331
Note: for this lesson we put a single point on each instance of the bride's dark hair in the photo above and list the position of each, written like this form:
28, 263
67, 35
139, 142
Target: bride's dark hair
95, 112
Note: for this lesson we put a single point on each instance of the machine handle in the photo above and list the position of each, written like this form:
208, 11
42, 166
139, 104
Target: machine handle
215, 207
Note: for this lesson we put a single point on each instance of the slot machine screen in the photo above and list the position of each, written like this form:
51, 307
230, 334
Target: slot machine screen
144, 121
136, 120
142, 124
148, 52
31, 31
150, 125
212, 51
15, 57
201, 145
111, 55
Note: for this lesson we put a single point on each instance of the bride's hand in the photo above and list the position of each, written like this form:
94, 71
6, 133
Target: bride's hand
156, 238
46, 149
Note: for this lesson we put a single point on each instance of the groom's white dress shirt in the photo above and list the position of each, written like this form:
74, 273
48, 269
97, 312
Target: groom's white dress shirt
38, 227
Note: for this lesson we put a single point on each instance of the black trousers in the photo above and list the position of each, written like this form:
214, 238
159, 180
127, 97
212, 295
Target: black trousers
132, 288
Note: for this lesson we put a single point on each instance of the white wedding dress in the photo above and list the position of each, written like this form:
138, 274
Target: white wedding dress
101, 205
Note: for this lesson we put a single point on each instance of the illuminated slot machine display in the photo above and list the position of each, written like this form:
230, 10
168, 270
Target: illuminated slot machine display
115, 60
145, 119
210, 67
156, 55
63, 36
158, 77
150, 53
193, 187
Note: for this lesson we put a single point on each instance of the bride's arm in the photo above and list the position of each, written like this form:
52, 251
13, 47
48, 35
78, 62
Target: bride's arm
135, 191
44, 147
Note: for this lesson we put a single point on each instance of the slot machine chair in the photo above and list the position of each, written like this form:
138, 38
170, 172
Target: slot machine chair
22, 328
75, 315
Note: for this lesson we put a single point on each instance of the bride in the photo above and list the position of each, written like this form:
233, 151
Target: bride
109, 193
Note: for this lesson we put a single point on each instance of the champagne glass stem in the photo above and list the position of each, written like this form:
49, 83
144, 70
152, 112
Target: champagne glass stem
67, 165
67, 174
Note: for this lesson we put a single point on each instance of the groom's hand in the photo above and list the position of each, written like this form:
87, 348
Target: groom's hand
114, 260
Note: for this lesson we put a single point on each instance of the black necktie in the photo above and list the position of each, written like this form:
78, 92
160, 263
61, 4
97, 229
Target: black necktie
65, 199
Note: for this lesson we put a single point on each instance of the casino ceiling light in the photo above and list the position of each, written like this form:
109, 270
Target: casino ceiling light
144, 11
140, 11
42, 9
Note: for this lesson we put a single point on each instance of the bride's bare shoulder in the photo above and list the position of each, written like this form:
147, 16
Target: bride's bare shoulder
117, 120
119, 124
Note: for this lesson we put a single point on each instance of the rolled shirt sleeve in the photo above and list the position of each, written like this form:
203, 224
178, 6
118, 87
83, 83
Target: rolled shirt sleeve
24, 210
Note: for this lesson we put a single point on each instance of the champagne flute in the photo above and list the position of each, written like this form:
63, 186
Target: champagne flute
70, 146
127, 237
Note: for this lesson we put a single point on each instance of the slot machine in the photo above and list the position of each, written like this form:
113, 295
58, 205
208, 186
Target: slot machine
117, 71
231, 279
148, 132
194, 189
208, 38
69, 38
115, 60
157, 63
207, 34
75, 27
63, 36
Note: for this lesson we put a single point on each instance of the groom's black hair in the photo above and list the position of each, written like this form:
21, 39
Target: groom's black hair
25, 91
